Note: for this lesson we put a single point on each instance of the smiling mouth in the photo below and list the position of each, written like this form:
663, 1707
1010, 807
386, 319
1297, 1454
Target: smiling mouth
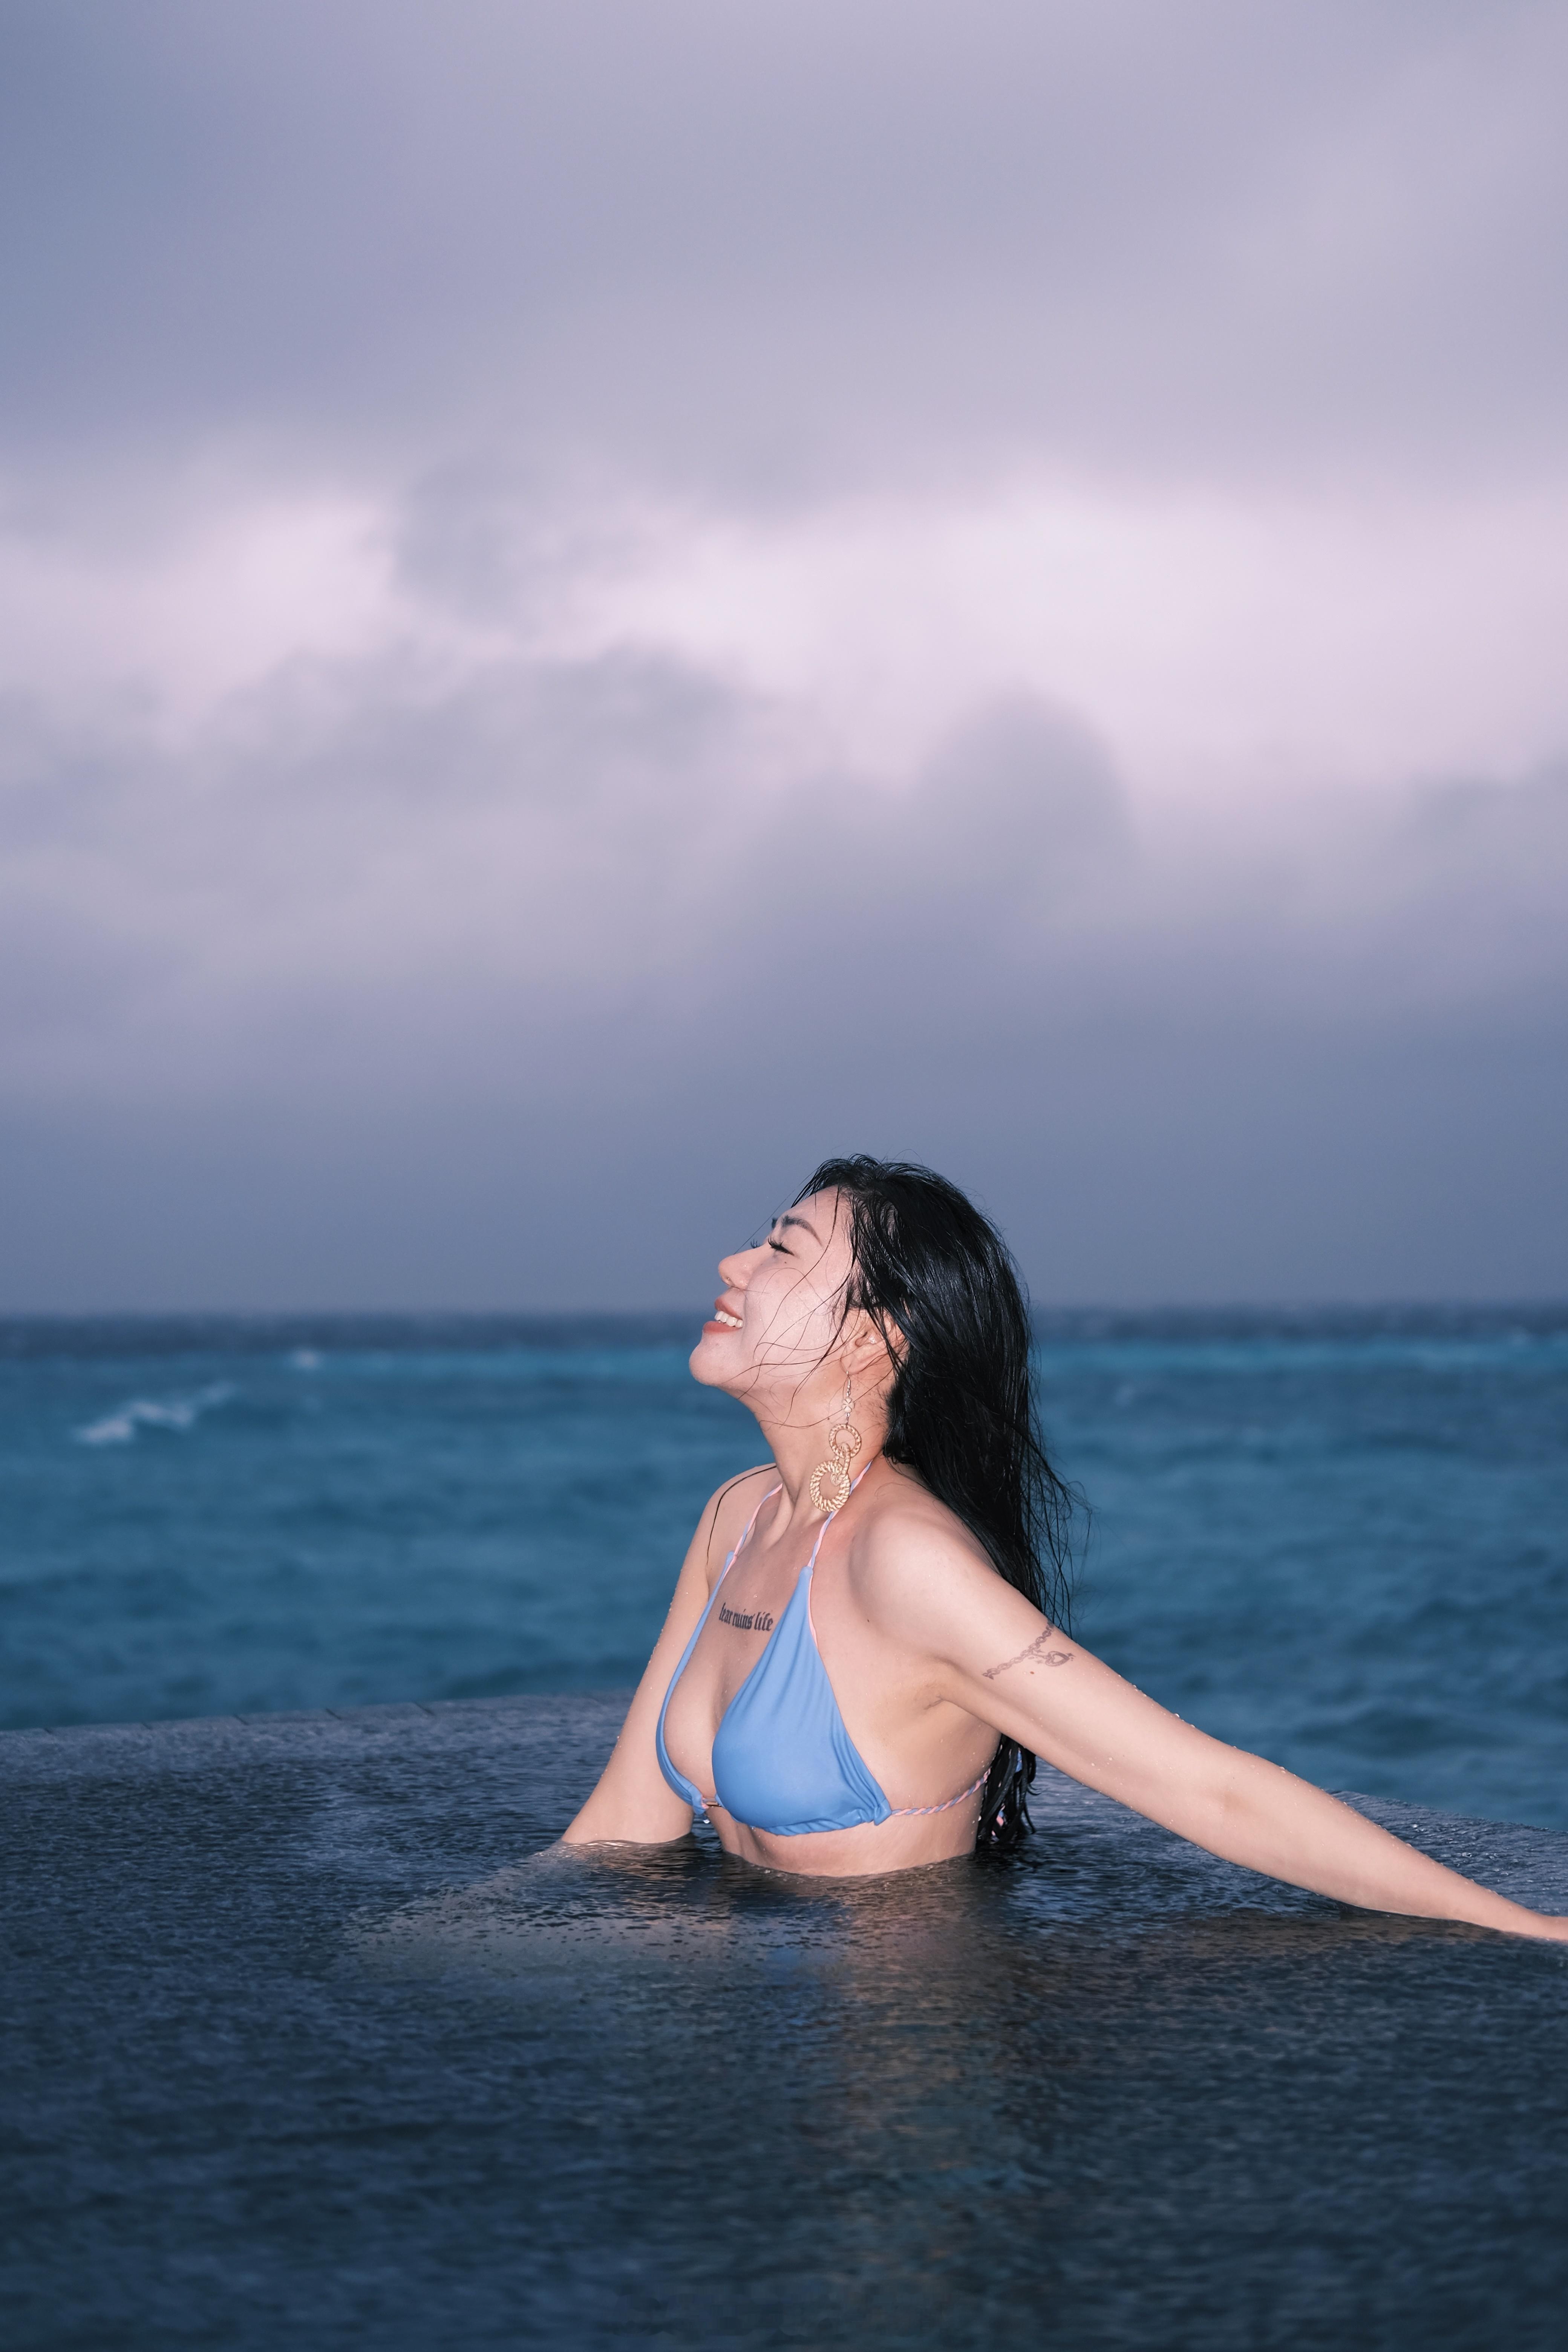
722, 1315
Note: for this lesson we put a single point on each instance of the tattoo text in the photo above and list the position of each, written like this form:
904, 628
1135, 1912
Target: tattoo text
745, 1621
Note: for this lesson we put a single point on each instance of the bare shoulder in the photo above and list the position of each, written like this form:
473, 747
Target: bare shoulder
726, 1510
914, 1564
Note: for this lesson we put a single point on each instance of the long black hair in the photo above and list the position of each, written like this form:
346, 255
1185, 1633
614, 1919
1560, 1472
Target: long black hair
938, 1281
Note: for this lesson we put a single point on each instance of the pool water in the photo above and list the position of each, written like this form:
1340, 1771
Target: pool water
309, 2039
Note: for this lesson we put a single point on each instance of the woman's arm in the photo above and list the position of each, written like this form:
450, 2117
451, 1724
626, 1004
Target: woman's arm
632, 1804
1007, 1666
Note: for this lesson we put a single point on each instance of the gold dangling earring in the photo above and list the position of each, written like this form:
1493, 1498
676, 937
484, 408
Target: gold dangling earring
830, 1481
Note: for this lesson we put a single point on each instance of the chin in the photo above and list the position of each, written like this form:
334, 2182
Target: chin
707, 1364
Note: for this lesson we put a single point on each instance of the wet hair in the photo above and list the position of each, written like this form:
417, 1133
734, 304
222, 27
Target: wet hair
938, 1281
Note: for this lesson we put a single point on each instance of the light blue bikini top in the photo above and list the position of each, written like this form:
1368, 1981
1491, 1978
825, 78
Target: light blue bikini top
782, 1761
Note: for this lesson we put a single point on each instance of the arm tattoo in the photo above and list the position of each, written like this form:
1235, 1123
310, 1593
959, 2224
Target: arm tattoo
1050, 1658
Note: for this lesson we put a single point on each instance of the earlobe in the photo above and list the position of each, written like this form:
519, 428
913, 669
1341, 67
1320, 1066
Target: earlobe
881, 1359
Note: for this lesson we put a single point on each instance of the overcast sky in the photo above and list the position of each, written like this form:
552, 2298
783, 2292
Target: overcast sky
598, 600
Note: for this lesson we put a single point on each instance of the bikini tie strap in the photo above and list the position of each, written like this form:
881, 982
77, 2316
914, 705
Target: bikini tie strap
901, 1811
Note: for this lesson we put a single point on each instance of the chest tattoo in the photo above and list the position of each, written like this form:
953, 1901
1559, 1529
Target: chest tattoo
745, 1621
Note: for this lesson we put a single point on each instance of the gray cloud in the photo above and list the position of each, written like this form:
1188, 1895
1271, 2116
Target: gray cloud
774, 251
476, 965
460, 962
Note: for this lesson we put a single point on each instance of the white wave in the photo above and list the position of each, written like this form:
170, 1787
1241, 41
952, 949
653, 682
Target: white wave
119, 1428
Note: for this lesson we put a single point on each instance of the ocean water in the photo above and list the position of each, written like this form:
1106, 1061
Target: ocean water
1340, 1540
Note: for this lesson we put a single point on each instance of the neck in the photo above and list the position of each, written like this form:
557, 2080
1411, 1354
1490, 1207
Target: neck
799, 1446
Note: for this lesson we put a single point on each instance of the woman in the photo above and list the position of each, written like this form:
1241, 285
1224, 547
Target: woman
864, 1654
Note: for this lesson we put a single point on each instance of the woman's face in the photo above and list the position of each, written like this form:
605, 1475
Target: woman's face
775, 1339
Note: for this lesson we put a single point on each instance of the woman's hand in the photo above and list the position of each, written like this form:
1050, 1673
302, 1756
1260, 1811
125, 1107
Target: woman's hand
633, 1804
1005, 1664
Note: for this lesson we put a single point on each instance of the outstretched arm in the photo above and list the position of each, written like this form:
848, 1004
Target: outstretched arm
1008, 1666
632, 1804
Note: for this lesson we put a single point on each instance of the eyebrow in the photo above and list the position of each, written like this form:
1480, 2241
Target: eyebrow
802, 1223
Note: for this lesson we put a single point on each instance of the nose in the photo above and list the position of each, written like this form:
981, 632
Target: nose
733, 1269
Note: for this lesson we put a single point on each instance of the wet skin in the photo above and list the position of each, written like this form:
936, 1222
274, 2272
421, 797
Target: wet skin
931, 1654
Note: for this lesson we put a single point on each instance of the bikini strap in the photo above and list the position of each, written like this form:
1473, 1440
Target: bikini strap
828, 1522
898, 1811
947, 1803
704, 1802
751, 1523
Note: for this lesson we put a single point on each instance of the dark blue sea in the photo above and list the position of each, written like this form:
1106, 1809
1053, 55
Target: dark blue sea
1341, 1539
